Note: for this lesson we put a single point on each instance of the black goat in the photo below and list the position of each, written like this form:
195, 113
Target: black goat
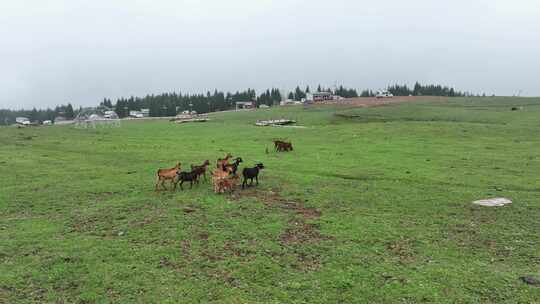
190, 177
201, 170
234, 166
251, 173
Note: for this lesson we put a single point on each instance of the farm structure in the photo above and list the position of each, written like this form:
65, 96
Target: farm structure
275, 122
96, 117
22, 121
183, 118
244, 105
289, 102
320, 96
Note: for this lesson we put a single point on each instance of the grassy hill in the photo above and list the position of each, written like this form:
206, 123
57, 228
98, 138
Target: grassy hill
373, 205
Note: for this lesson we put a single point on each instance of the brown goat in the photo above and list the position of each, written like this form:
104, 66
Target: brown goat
277, 143
282, 146
221, 179
228, 184
222, 162
217, 176
166, 174
201, 170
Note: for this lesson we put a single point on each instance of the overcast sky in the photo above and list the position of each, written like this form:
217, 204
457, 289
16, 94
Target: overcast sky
59, 51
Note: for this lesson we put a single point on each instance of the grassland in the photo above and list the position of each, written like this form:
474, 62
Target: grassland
373, 206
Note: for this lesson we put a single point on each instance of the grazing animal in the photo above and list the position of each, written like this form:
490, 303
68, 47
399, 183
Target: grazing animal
251, 173
201, 170
217, 176
286, 147
167, 174
190, 177
277, 144
234, 166
282, 146
228, 184
221, 162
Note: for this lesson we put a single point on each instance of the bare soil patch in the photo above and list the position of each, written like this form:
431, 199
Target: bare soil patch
300, 230
374, 102
403, 249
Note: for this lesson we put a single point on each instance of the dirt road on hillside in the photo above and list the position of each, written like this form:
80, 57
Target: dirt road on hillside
373, 102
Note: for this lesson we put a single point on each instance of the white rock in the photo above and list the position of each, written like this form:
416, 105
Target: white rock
493, 202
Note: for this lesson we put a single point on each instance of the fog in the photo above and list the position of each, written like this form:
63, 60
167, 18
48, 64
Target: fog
54, 52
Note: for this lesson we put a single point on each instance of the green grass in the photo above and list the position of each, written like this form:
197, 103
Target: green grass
373, 206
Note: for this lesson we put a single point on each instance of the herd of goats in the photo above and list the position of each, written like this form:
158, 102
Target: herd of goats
224, 176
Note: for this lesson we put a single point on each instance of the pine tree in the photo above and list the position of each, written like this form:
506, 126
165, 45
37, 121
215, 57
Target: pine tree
299, 94
70, 114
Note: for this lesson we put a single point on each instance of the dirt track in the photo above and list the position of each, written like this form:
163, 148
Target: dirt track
373, 102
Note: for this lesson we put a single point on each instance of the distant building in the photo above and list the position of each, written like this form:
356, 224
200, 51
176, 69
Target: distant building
47, 122
188, 112
145, 112
383, 94
245, 105
22, 121
319, 96
289, 102
135, 114
110, 115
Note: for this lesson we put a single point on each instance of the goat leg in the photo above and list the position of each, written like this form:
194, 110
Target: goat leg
157, 184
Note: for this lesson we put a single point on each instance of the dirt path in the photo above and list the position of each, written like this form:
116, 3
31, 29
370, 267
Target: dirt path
373, 101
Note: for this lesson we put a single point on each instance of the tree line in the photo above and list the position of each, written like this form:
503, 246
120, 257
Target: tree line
424, 90
170, 104
8, 117
298, 94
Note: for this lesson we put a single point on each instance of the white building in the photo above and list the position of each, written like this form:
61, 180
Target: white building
136, 114
22, 121
110, 115
383, 94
